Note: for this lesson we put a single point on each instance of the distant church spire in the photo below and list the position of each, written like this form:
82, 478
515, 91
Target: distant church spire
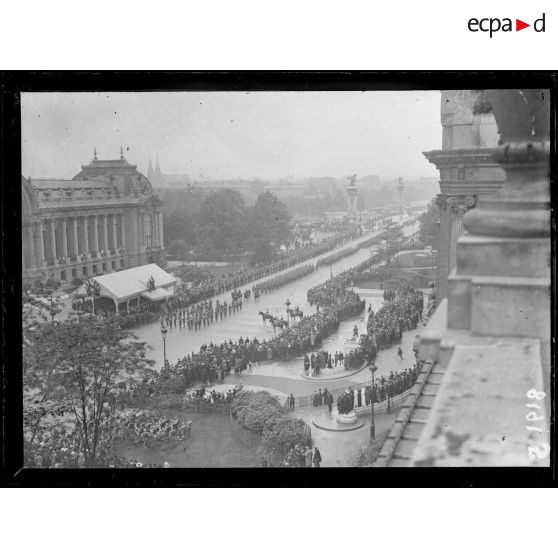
150, 171
158, 169
94, 154
121, 152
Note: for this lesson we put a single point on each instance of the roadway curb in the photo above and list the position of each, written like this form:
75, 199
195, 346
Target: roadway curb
322, 379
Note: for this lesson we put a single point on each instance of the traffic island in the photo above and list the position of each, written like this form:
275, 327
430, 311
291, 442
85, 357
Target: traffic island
330, 421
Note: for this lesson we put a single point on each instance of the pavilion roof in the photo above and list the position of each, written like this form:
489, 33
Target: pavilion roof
132, 282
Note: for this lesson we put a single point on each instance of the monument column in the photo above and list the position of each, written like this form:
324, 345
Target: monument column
64, 239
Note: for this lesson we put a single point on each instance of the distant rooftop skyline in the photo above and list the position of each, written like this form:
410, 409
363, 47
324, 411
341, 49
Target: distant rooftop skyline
234, 135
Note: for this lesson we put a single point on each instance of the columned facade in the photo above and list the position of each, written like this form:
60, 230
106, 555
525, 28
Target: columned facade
80, 228
467, 171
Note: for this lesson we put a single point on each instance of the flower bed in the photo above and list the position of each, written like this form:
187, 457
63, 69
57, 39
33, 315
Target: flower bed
262, 415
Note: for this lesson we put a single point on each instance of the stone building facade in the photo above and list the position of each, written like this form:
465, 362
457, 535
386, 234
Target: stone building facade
467, 170
105, 219
484, 395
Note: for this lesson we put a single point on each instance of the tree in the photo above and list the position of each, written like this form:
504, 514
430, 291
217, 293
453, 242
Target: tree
93, 290
222, 221
180, 226
428, 231
339, 201
179, 249
269, 226
76, 365
39, 298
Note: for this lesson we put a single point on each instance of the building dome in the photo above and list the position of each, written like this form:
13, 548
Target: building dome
28, 200
119, 174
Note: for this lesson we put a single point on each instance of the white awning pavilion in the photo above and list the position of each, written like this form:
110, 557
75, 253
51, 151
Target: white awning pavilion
130, 284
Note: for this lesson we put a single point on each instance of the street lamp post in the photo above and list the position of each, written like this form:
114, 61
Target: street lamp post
372, 369
164, 336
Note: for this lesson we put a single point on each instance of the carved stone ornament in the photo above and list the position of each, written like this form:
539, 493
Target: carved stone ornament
461, 204
442, 202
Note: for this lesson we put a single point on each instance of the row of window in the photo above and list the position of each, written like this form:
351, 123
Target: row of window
95, 270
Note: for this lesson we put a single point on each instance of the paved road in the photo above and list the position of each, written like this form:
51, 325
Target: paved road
246, 322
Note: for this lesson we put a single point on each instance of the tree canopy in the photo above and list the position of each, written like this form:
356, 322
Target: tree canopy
75, 366
269, 226
222, 221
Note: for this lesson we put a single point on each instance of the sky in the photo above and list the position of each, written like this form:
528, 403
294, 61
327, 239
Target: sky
231, 135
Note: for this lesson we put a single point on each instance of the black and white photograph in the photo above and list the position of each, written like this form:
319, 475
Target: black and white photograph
286, 279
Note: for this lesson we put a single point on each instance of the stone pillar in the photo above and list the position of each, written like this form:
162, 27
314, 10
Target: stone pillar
136, 222
105, 232
75, 237
64, 237
41, 239
459, 205
24, 249
502, 282
141, 228
114, 232
53, 240
31, 246
95, 235
161, 242
123, 231
443, 256
85, 235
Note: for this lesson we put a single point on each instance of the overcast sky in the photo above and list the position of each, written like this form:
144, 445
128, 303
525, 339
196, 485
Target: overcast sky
234, 135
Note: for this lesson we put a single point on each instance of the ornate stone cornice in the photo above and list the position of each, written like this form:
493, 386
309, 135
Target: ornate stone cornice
475, 156
458, 204
523, 152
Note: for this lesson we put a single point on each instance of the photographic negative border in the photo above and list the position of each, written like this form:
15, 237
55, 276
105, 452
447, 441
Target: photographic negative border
14, 83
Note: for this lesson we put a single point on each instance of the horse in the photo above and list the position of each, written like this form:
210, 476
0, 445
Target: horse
295, 313
247, 294
256, 294
266, 316
279, 323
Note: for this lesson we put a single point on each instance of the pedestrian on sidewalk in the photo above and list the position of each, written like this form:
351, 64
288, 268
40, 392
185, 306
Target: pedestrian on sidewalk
329, 401
400, 353
291, 402
317, 459
308, 457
